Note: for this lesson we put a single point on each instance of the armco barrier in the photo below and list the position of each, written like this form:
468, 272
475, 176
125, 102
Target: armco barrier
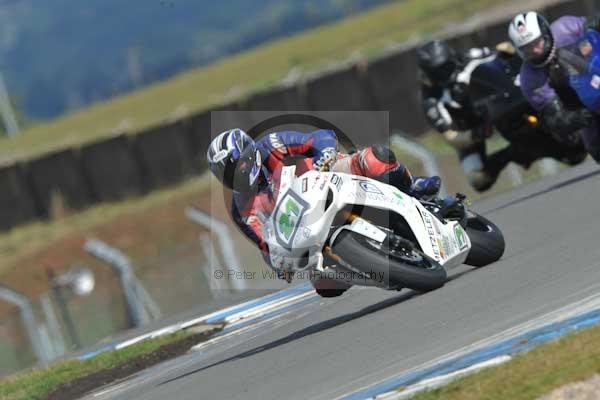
280, 98
112, 168
164, 154
229, 117
16, 200
349, 90
61, 173
394, 84
342, 90
198, 132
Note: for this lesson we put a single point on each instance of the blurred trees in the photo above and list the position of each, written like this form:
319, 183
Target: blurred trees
65, 54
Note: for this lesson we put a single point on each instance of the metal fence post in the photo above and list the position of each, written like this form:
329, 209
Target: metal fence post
424, 155
209, 251
28, 316
140, 306
57, 339
225, 240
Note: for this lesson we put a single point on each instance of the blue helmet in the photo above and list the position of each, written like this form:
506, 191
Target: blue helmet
234, 159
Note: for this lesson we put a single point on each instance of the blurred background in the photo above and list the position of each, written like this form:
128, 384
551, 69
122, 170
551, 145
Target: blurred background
107, 218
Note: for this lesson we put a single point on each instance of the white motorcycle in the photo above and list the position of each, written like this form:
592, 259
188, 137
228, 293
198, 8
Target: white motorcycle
346, 230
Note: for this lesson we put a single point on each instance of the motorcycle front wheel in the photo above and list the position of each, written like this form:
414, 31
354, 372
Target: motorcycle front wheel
402, 265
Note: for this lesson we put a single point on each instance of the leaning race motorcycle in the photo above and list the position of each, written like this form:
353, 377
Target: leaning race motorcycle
359, 231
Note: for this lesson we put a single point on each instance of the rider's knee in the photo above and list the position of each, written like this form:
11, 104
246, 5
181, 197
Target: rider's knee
377, 159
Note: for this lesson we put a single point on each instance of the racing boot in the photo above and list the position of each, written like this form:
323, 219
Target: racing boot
425, 187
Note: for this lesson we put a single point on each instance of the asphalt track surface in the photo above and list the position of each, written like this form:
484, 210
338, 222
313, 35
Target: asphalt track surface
332, 347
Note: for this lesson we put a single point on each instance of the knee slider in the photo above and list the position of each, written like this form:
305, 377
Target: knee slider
383, 153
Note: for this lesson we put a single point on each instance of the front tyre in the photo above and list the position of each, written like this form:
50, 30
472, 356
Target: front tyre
398, 266
487, 241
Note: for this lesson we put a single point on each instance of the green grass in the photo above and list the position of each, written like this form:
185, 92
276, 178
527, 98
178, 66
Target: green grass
530, 375
37, 383
242, 74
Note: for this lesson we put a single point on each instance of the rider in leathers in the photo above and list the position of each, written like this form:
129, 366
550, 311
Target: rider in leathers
445, 101
549, 52
458, 105
252, 169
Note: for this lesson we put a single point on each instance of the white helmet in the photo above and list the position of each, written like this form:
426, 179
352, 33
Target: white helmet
531, 35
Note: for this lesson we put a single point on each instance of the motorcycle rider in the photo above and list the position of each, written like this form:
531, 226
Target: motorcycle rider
444, 77
549, 53
465, 108
251, 170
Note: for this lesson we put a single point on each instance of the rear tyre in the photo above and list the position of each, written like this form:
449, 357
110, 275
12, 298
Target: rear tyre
397, 266
487, 241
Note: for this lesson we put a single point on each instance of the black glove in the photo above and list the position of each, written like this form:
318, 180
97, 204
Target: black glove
563, 123
433, 115
592, 22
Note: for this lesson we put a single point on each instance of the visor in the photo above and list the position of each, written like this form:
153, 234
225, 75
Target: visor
535, 51
247, 170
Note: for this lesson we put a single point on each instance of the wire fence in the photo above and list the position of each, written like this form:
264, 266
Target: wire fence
177, 281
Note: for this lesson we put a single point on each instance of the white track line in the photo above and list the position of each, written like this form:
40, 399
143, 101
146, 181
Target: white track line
573, 309
442, 380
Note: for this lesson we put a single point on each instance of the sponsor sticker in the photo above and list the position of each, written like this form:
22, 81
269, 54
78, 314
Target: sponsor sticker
220, 155
276, 143
461, 237
368, 187
336, 180
306, 232
429, 227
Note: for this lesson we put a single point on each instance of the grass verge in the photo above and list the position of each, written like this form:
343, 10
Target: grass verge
529, 375
71, 379
368, 33
40, 234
